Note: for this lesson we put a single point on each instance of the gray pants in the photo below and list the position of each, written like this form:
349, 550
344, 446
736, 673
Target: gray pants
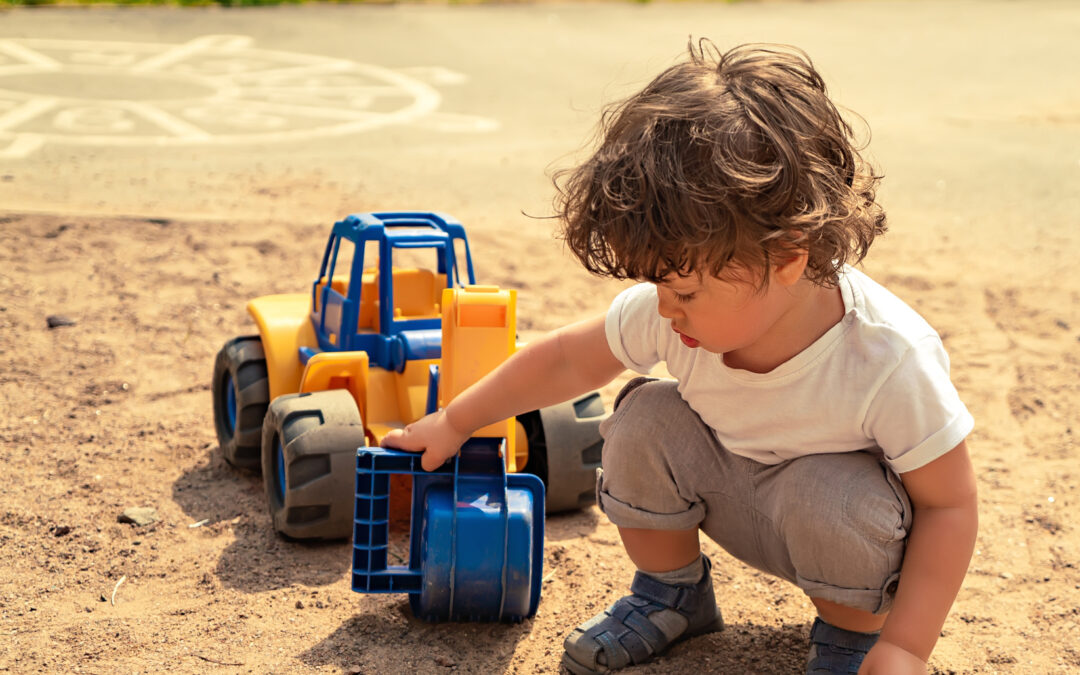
835, 525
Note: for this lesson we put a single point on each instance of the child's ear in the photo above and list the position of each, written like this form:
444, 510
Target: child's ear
789, 266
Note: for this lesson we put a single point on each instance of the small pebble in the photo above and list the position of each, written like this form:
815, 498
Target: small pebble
138, 515
58, 320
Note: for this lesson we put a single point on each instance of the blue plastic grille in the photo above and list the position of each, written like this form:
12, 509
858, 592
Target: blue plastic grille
475, 541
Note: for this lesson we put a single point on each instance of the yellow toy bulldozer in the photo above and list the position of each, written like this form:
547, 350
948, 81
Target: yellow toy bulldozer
335, 369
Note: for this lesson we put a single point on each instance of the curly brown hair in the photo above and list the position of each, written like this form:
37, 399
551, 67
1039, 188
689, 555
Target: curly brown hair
724, 160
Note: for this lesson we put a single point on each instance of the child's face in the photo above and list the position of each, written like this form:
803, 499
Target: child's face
721, 315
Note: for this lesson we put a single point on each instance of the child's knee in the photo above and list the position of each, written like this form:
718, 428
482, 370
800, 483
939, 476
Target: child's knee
622, 422
848, 548
843, 565
649, 416
654, 457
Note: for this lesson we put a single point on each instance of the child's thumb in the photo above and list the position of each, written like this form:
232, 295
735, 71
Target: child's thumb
431, 460
395, 438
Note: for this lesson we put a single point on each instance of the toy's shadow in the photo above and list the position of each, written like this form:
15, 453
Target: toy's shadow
572, 524
403, 644
258, 560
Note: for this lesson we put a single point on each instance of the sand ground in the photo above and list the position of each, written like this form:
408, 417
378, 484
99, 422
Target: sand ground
114, 412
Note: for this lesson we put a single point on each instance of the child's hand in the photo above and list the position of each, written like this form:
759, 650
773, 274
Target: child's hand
886, 658
433, 435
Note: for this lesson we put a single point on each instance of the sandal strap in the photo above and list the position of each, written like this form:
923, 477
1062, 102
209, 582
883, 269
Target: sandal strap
822, 633
683, 599
834, 650
612, 648
626, 635
635, 618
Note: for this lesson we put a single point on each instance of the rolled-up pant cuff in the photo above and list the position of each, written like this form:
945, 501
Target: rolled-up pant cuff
624, 515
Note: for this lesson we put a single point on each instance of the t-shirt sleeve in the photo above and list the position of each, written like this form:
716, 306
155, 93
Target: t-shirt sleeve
917, 415
631, 328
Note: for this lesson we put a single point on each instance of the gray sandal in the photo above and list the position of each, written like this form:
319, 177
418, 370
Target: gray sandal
835, 650
623, 635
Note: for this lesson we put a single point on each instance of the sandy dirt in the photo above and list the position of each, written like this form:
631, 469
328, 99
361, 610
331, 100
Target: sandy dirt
115, 411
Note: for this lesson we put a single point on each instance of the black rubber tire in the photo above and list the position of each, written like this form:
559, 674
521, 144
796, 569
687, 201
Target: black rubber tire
309, 444
564, 451
241, 393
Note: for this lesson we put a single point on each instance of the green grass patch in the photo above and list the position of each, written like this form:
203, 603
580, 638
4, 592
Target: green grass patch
177, 3
5, 4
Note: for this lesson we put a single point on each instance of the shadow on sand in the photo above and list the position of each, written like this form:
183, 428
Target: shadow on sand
387, 638
739, 649
258, 559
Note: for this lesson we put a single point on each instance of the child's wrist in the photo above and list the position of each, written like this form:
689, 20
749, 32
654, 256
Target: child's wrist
451, 422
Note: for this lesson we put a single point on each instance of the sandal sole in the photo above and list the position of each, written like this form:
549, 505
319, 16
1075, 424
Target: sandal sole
577, 668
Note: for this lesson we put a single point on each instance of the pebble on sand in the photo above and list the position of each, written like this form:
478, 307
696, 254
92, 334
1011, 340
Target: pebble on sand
139, 515
58, 320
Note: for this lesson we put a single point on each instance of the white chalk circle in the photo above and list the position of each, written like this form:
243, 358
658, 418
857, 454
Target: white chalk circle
215, 89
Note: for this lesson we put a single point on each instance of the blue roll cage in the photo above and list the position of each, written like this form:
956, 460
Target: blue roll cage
398, 340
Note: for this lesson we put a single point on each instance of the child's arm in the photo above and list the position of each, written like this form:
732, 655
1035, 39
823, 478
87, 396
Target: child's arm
562, 364
939, 548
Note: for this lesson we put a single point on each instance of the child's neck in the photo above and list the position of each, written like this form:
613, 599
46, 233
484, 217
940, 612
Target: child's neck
810, 312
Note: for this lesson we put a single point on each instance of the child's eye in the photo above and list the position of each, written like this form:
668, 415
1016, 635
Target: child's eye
683, 297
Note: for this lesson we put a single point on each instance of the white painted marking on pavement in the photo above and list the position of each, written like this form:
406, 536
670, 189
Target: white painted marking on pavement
320, 112
94, 118
27, 111
167, 121
22, 146
24, 53
181, 52
215, 89
293, 71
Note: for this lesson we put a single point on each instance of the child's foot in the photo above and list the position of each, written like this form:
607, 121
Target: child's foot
640, 626
835, 650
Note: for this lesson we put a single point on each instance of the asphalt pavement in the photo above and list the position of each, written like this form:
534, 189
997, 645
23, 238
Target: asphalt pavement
308, 112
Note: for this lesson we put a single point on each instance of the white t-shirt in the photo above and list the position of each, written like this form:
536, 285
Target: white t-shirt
877, 380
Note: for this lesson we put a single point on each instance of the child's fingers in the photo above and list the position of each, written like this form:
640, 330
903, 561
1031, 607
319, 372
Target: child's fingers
392, 439
401, 439
426, 435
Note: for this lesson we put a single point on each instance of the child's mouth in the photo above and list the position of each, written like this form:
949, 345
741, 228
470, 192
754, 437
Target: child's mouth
686, 339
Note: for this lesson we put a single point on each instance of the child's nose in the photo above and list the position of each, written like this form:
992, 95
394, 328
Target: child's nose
667, 309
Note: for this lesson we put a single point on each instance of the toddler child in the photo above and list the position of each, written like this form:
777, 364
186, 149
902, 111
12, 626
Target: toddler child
811, 428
